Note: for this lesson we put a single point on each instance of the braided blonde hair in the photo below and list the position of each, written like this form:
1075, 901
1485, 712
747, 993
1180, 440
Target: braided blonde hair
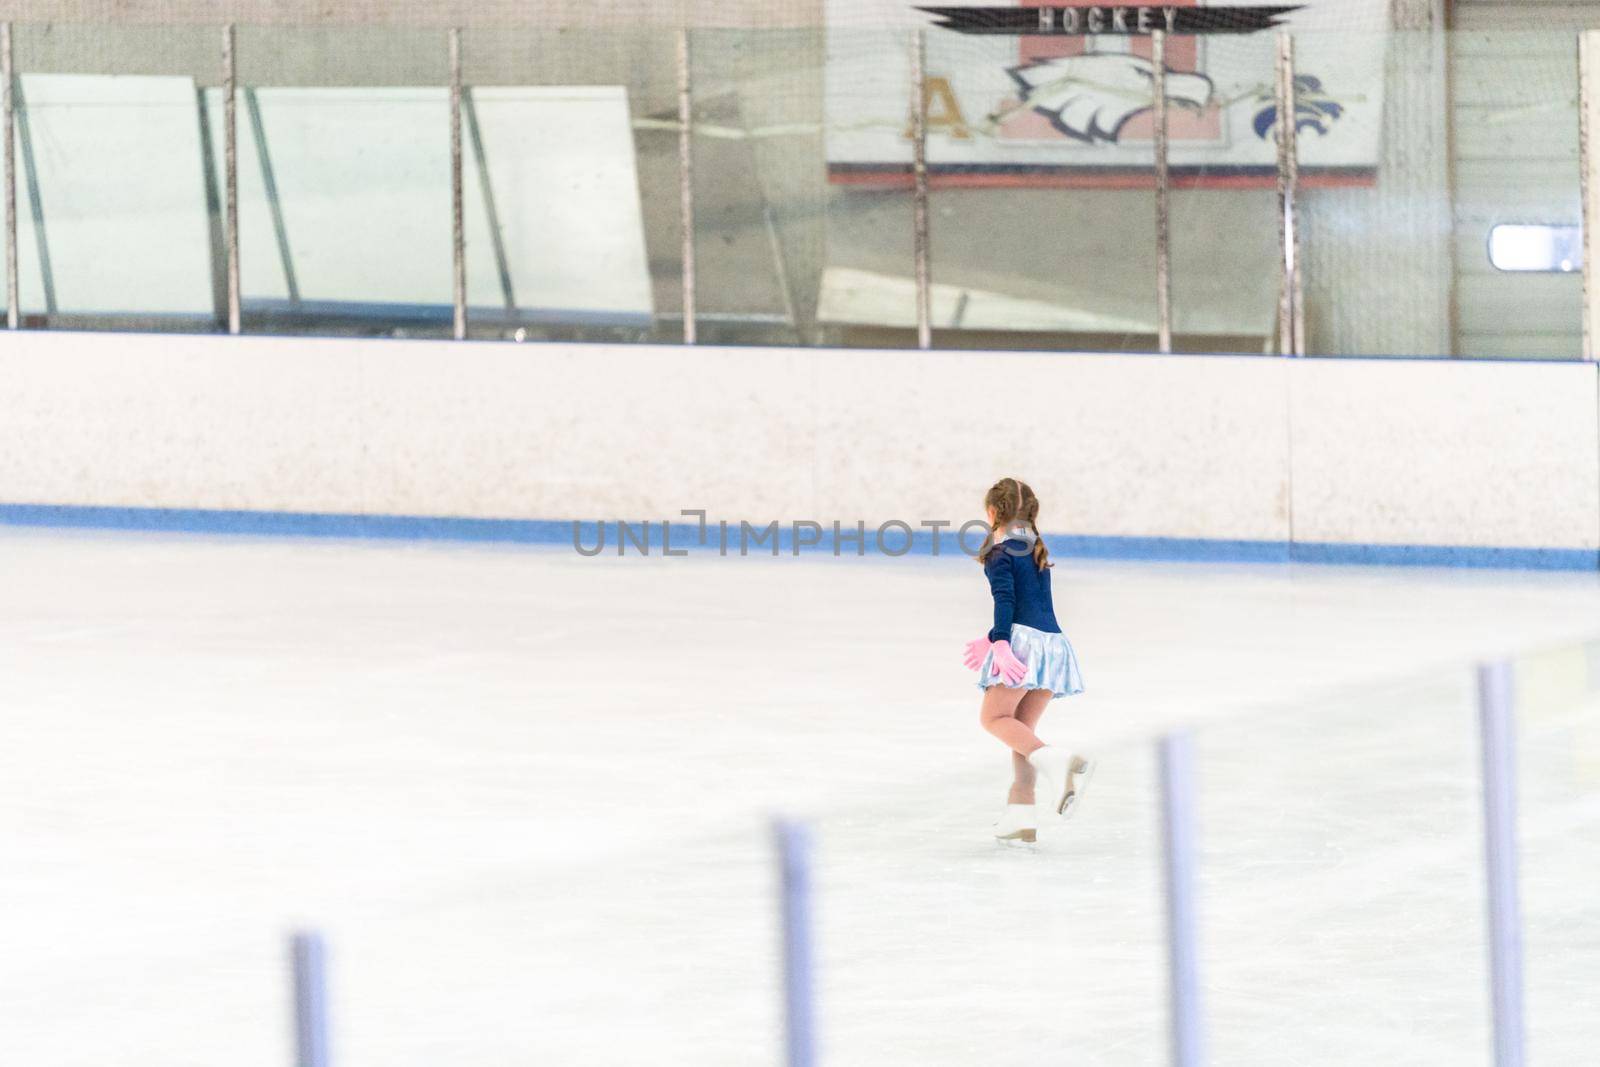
1013, 501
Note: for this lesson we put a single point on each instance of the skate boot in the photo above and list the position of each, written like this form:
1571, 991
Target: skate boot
1066, 776
1017, 823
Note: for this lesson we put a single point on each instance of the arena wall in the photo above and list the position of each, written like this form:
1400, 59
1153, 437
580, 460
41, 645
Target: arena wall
1227, 457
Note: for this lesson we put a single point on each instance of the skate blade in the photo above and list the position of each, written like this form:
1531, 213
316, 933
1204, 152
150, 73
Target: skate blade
1025, 836
1078, 777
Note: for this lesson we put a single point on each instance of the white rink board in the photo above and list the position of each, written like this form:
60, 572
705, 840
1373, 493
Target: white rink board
1377, 452
1402, 452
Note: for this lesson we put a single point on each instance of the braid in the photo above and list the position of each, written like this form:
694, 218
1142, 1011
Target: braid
1012, 499
1030, 512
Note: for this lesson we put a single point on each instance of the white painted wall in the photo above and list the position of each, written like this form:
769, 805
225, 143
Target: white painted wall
1383, 452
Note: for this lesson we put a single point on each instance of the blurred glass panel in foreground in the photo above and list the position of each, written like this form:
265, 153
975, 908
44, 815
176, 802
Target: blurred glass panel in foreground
1343, 890
1558, 796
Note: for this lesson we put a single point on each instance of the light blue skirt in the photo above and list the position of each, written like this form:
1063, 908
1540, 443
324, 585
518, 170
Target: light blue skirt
1049, 658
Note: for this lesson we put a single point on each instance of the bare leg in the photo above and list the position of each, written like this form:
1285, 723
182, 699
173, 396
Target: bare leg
999, 716
1028, 713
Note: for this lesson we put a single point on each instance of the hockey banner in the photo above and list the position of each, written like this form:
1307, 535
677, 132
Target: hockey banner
1048, 20
1008, 105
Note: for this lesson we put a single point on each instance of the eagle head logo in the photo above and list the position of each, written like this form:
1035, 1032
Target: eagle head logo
1091, 97
1314, 109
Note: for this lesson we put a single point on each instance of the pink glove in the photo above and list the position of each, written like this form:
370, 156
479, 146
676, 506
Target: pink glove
976, 650
1007, 667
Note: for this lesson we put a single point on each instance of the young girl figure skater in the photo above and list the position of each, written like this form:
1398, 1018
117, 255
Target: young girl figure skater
1024, 662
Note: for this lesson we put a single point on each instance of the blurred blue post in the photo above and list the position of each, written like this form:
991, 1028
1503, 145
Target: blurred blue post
310, 958
794, 858
1500, 860
1178, 839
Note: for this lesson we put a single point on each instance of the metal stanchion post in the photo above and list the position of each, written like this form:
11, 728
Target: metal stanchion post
1158, 43
458, 236
919, 187
686, 185
230, 180
1290, 316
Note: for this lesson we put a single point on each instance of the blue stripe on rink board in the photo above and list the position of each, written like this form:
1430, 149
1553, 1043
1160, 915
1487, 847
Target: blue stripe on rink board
1198, 549
1533, 559
685, 536
286, 523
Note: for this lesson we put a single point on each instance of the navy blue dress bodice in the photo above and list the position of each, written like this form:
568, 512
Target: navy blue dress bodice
1021, 590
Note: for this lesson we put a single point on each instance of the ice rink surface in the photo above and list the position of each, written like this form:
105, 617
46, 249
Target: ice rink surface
526, 795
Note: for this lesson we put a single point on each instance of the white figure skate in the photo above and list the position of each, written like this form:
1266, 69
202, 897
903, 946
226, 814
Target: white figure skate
1017, 823
1066, 774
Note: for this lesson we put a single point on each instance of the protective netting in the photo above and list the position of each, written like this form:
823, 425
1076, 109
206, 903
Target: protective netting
1414, 145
